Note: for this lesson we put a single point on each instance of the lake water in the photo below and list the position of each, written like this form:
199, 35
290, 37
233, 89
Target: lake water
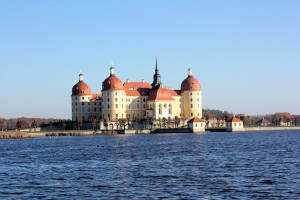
248, 165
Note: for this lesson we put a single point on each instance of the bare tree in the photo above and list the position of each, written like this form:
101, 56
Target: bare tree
177, 121
105, 123
78, 123
18, 125
33, 125
94, 123
3, 124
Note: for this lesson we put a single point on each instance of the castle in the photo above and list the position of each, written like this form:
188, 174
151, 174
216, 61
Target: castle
137, 100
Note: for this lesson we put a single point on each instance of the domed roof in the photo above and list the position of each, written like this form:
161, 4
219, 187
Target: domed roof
160, 94
190, 83
81, 88
112, 82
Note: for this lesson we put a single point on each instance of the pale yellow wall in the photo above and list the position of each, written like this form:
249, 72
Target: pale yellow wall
234, 126
177, 106
165, 105
197, 126
85, 111
191, 104
136, 106
116, 101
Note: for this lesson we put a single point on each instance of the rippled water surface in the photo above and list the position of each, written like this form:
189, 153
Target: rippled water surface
249, 165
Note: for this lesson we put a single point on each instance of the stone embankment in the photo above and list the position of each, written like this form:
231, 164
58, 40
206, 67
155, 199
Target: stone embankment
271, 128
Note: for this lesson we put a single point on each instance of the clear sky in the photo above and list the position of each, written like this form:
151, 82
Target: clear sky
246, 54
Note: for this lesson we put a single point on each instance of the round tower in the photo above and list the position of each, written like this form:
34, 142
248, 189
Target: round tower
81, 94
113, 97
191, 97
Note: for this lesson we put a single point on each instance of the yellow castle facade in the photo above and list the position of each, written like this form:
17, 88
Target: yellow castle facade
137, 100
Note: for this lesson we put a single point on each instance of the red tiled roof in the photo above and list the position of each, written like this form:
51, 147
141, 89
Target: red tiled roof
160, 94
136, 85
81, 89
195, 119
234, 119
137, 88
139, 92
112, 83
175, 92
190, 84
262, 121
96, 96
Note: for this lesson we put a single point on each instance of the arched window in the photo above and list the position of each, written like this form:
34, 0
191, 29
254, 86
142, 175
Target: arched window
159, 109
170, 109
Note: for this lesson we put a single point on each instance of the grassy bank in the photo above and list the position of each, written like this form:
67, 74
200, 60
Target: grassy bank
13, 135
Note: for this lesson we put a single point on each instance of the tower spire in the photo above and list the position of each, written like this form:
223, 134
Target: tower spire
156, 76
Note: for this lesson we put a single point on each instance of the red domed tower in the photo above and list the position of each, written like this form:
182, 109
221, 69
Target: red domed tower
81, 95
191, 97
113, 96
81, 88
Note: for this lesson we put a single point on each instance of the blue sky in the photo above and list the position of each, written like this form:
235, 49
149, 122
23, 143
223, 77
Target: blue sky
246, 54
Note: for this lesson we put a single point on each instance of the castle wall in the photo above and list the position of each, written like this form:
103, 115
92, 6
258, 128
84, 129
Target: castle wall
191, 104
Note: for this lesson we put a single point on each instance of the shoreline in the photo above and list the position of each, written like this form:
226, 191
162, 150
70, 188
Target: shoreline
23, 135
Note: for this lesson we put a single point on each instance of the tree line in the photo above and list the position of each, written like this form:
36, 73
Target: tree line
251, 120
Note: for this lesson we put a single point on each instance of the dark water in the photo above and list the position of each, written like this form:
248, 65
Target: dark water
249, 165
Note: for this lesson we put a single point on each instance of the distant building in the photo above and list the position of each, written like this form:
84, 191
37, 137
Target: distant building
263, 122
137, 100
197, 125
283, 122
234, 124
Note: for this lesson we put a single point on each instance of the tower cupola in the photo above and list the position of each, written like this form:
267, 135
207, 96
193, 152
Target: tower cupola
80, 77
112, 71
190, 83
190, 72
